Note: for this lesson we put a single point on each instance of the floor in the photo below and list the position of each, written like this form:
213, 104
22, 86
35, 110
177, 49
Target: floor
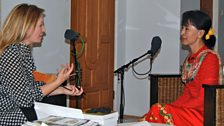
136, 121
128, 118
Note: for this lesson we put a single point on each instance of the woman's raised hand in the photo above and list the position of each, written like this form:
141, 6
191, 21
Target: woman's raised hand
64, 72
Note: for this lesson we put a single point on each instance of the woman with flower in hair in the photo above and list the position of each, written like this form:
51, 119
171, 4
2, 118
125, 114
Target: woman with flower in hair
201, 66
24, 27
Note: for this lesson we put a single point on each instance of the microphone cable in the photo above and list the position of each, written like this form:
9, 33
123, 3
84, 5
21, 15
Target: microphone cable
146, 73
155, 46
82, 48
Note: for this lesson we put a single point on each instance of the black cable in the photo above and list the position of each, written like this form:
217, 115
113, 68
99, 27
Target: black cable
150, 69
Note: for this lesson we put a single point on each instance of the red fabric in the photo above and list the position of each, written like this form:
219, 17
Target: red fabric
173, 115
188, 109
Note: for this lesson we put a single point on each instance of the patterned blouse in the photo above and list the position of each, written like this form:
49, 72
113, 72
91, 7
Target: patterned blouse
17, 85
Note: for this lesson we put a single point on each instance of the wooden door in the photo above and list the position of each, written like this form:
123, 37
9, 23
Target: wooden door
207, 7
94, 20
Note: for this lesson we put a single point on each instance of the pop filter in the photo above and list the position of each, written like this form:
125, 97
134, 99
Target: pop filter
71, 35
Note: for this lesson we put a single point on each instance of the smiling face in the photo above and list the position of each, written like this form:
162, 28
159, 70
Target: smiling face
36, 35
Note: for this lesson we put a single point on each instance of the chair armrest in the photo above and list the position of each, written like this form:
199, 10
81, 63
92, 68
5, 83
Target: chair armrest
217, 86
211, 96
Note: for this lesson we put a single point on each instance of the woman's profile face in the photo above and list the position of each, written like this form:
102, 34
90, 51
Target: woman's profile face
36, 35
189, 34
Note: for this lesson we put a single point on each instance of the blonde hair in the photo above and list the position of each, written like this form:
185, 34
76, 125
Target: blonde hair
21, 18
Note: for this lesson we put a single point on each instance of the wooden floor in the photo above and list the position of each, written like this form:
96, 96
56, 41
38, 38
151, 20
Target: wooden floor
129, 118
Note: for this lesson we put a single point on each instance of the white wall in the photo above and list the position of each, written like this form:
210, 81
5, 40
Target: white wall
219, 17
139, 21
54, 51
120, 32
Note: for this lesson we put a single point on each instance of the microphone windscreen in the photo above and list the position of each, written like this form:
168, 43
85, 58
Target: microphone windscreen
156, 44
71, 35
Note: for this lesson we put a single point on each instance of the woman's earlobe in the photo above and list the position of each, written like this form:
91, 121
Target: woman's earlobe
201, 33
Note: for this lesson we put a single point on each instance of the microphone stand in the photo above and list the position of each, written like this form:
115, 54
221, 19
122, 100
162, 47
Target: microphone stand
77, 72
120, 71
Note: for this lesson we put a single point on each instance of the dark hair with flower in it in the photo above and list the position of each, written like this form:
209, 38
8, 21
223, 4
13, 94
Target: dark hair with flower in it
201, 21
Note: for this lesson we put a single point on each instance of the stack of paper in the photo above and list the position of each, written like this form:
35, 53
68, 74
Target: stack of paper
65, 121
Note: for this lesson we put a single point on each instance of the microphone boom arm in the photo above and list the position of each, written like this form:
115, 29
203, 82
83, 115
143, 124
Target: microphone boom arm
131, 62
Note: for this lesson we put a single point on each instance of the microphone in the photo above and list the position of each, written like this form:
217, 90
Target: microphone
71, 35
155, 45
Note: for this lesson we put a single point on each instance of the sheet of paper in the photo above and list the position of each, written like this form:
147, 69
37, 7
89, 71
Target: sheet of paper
44, 110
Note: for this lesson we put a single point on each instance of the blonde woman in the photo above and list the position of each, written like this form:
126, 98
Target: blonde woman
23, 27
